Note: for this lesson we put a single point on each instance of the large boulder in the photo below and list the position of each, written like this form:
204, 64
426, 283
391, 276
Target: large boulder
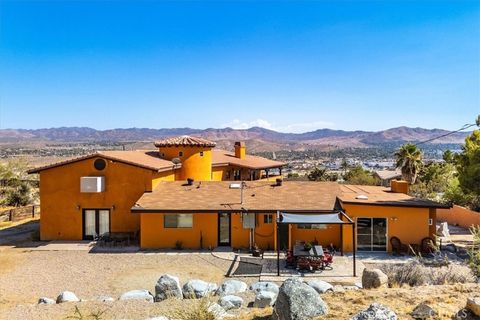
168, 286
230, 287
320, 286
264, 286
374, 278
423, 311
230, 302
473, 304
298, 301
67, 296
137, 295
376, 311
45, 300
264, 299
195, 289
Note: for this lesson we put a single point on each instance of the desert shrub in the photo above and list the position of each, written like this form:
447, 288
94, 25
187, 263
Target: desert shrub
78, 315
196, 310
178, 245
474, 254
414, 273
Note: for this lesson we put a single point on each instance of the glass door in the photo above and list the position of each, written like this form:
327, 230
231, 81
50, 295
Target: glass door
371, 234
224, 229
89, 229
96, 222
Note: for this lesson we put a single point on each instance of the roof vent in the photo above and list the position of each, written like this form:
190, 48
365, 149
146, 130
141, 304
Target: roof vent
235, 186
361, 197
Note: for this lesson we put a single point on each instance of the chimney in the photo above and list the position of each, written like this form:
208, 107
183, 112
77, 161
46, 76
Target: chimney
399, 186
240, 150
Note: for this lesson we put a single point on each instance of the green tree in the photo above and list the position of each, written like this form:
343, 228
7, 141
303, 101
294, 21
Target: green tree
448, 156
318, 174
409, 160
468, 167
360, 176
344, 166
15, 190
321, 174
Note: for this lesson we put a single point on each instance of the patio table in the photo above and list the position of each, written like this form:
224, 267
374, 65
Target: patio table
299, 251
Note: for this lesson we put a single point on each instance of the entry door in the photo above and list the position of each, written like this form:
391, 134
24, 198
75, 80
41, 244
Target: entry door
283, 234
96, 222
372, 234
224, 229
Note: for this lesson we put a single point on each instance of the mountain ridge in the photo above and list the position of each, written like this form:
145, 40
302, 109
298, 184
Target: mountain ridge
255, 136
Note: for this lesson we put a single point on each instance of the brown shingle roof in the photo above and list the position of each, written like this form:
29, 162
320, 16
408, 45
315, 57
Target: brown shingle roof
144, 159
258, 196
185, 141
383, 196
224, 158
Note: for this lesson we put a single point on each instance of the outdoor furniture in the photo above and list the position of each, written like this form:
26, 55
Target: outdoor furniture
315, 251
327, 260
116, 238
397, 246
427, 246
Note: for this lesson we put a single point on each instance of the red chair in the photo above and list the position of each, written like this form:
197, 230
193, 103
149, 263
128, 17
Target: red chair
327, 260
303, 264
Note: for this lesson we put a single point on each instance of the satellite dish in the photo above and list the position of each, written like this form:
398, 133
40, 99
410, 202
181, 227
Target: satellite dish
176, 161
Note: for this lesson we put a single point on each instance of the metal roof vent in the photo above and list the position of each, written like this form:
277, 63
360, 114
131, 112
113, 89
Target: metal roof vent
361, 197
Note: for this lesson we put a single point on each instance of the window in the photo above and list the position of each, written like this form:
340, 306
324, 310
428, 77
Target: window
312, 226
201, 153
237, 174
267, 218
99, 164
178, 220
180, 154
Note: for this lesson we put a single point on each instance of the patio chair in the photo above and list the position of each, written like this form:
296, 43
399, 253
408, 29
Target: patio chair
289, 258
316, 264
303, 264
397, 246
427, 246
327, 260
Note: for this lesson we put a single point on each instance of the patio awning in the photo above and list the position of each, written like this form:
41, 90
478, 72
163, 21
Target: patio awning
317, 218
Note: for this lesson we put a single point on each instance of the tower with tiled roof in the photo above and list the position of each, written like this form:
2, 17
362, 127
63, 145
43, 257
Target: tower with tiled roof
194, 154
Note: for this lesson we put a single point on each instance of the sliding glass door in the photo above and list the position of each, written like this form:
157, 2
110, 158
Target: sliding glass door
371, 234
96, 222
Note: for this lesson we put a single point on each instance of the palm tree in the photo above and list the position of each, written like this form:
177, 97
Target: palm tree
409, 160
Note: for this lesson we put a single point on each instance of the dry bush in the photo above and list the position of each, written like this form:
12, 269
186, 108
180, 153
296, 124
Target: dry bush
416, 274
196, 310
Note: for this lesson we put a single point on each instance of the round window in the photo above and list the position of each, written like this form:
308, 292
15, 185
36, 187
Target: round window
100, 164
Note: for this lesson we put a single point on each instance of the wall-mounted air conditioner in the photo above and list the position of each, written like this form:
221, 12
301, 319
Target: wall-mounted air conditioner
92, 184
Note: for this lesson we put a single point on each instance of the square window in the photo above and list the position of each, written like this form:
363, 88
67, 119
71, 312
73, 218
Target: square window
201, 153
180, 154
267, 218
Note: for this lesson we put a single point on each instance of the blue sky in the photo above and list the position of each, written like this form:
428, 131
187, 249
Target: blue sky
288, 66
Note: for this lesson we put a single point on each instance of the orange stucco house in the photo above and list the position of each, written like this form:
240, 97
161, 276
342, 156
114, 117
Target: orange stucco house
187, 191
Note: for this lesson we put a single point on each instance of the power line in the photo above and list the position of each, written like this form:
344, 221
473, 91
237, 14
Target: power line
447, 134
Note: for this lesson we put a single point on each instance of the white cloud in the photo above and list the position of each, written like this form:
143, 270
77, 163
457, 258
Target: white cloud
290, 128
237, 124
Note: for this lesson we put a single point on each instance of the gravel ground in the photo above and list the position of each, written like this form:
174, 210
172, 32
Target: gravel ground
28, 275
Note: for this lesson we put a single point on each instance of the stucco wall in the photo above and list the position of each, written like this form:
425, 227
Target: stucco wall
154, 235
410, 225
459, 216
62, 203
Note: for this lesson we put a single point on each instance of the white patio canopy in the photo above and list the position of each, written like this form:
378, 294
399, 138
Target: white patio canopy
330, 217
322, 218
